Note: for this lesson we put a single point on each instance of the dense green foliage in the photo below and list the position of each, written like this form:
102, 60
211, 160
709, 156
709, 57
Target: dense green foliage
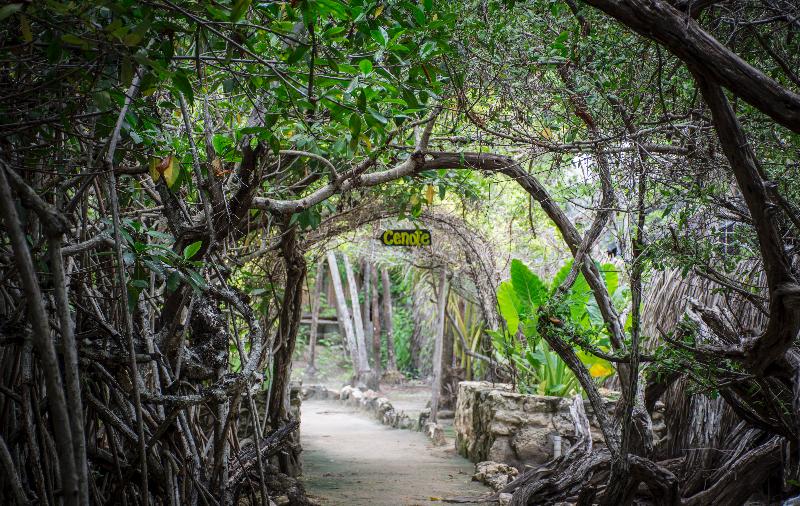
520, 299
169, 167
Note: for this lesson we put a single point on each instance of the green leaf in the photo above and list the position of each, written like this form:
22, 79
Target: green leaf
133, 296
274, 144
380, 36
338, 9
297, 54
362, 101
191, 250
419, 15
508, 303
173, 281
561, 275
355, 129
8, 10
610, 276
427, 49
160, 235
365, 65
380, 118
532, 292
181, 82
239, 8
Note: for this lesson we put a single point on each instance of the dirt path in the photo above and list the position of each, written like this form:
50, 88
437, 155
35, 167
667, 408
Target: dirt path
350, 459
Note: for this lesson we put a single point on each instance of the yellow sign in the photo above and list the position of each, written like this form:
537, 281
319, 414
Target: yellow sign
414, 238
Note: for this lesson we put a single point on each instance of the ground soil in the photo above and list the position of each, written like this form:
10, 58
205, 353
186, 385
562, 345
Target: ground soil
351, 459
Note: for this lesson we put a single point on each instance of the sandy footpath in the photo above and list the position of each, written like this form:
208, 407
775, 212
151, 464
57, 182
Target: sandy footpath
350, 459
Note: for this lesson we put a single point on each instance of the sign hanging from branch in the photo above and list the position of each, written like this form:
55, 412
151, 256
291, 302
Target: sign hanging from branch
413, 238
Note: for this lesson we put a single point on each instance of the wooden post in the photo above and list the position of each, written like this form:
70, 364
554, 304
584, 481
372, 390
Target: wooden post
376, 322
437, 349
391, 359
343, 314
358, 323
311, 369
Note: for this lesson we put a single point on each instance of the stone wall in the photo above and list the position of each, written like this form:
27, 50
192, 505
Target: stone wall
492, 422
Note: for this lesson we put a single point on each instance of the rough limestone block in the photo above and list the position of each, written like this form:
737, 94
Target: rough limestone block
316, 392
494, 474
492, 422
345, 392
355, 397
405, 422
435, 433
424, 416
501, 450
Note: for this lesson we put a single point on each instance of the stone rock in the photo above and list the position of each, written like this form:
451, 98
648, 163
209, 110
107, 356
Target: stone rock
392, 377
345, 392
532, 444
445, 414
282, 500
405, 422
504, 499
435, 434
424, 416
494, 474
355, 397
501, 451
316, 392
492, 422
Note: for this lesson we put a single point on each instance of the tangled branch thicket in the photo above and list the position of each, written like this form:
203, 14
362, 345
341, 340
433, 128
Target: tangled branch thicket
165, 166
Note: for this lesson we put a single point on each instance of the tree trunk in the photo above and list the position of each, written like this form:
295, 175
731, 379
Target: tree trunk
366, 306
311, 369
391, 358
419, 334
376, 322
342, 312
288, 323
42, 341
438, 346
446, 387
361, 348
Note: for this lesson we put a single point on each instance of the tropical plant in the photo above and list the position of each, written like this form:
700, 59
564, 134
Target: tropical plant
536, 368
468, 329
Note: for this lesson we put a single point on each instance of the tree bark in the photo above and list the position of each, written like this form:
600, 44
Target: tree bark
358, 323
446, 388
342, 312
659, 21
288, 323
366, 306
376, 322
72, 373
439, 345
43, 343
784, 319
311, 369
54, 225
391, 358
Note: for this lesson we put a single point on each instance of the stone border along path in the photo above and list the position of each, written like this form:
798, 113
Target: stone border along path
369, 400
